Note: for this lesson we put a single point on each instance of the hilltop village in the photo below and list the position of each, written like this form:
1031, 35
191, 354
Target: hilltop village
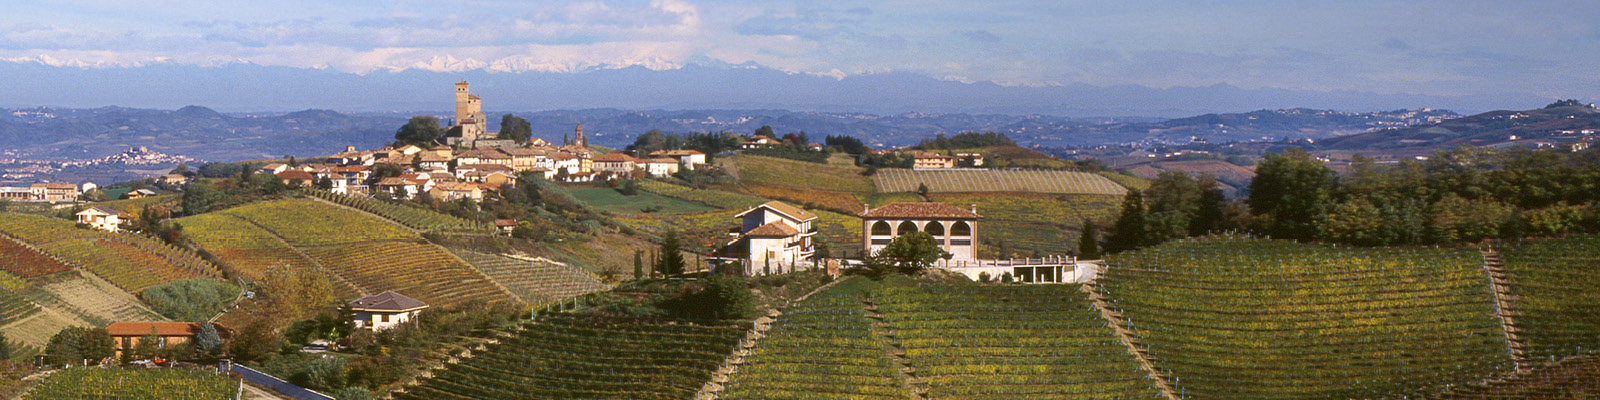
460, 263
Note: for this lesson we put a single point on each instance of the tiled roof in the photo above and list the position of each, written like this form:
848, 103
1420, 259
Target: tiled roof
773, 229
934, 156
675, 153
920, 210
505, 222
387, 301
161, 328
296, 174
615, 157
485, 167
782, 208
105, 210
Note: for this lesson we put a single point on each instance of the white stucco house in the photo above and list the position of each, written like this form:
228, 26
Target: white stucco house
385, 310
773, 235
102, 218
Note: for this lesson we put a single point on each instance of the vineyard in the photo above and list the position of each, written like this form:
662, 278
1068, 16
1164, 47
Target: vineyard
95, 301
1035, 207
422, 271
133, 262
587, 357
535, 282
769, 171
14, 307
245, 247
1554, 281
612, 201
959, 181
111, 383
1573, 378
312, 223
1011, 342
412, 217
718, 199
810, 198
1239, 318
25, 262
820, 348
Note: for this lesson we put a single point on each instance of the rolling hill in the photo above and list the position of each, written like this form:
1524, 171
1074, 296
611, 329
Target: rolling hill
1559, 124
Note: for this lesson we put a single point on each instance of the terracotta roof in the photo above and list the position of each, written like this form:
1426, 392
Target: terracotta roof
484, 167
782, 208
433, 157
660, 161
920, 210
505, 222
296, 174
675, 153
773, 229
387, 301
161, 328
522, 152
615, 157
392, 181
106, 210
935, 156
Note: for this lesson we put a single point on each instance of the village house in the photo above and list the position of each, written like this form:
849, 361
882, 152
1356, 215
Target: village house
955, 228
54, 192
16, 193
138, 194
385, 310
291, 177
174, 179
451, 191
505, 226
969, 159
688, 159
102, 218
406, 185
933, 161
759, 141
126, 336
616, 163
350, 156
775, 235
659, 167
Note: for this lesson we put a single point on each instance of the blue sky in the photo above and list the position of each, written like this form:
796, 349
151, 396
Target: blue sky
1432, 48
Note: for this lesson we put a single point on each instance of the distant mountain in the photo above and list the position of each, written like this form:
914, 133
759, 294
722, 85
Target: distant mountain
1553, 124
203, 133
248, 87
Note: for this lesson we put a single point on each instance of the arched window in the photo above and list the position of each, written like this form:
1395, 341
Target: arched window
961, 229
881, 228
934, 228
907, 227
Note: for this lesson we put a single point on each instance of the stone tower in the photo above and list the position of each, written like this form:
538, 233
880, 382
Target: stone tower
469, 116
580, 141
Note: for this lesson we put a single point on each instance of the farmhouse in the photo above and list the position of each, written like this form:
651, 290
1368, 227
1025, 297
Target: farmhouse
773, 234
385, 310
659, 167
102, 218
689, 159
933, 161
759, 141
616, 163
54, 192
955, 228
128, 335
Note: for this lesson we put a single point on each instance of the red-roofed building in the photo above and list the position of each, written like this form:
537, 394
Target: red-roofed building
127, 335
955, 228
775, 235
385, 310
288, 177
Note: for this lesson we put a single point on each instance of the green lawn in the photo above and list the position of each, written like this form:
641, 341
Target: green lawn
607, 199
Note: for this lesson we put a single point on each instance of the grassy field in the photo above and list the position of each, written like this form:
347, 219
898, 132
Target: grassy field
713, 198
610, 200
958, 181
771, 171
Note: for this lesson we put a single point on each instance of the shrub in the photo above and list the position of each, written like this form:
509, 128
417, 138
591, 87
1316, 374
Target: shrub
192, 300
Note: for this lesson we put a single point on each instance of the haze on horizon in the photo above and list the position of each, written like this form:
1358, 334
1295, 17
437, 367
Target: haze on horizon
1050, 56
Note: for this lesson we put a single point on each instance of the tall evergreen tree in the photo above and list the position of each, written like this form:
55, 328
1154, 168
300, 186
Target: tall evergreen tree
1088, 242
1128, 232
638, 264
670, 262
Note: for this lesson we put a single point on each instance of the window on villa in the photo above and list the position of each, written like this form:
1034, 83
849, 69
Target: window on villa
385, 317
934, 228
907, 227
881, 228
961, 228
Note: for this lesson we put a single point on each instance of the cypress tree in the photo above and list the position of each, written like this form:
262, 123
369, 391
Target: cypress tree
1088, 243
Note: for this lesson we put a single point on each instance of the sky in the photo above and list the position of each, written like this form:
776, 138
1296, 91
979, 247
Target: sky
1444, 49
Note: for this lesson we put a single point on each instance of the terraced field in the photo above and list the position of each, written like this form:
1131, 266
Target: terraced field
130, 261
1555, 281
1011, 342
781, 172
412, 217
1239, 318
25, 262
534, 282
135, 383
245, 247
587, 357
891, 180
94, 301
821, 348
713, 198
311, 223
610, 200
423, 271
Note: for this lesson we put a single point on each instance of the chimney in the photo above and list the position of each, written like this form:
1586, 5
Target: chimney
974, 208
350, 148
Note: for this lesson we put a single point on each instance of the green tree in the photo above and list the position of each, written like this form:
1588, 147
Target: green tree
5, 348
207, 341
421, 131
638, 264
181, 169
1128, 232
766, 130
515, 128
907, 253
199, 197
1356, 221
326, 183
149, 344
1088, 242
1208, 213
77, 344
353, 393
1459, 219
670, 261
1293, 193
